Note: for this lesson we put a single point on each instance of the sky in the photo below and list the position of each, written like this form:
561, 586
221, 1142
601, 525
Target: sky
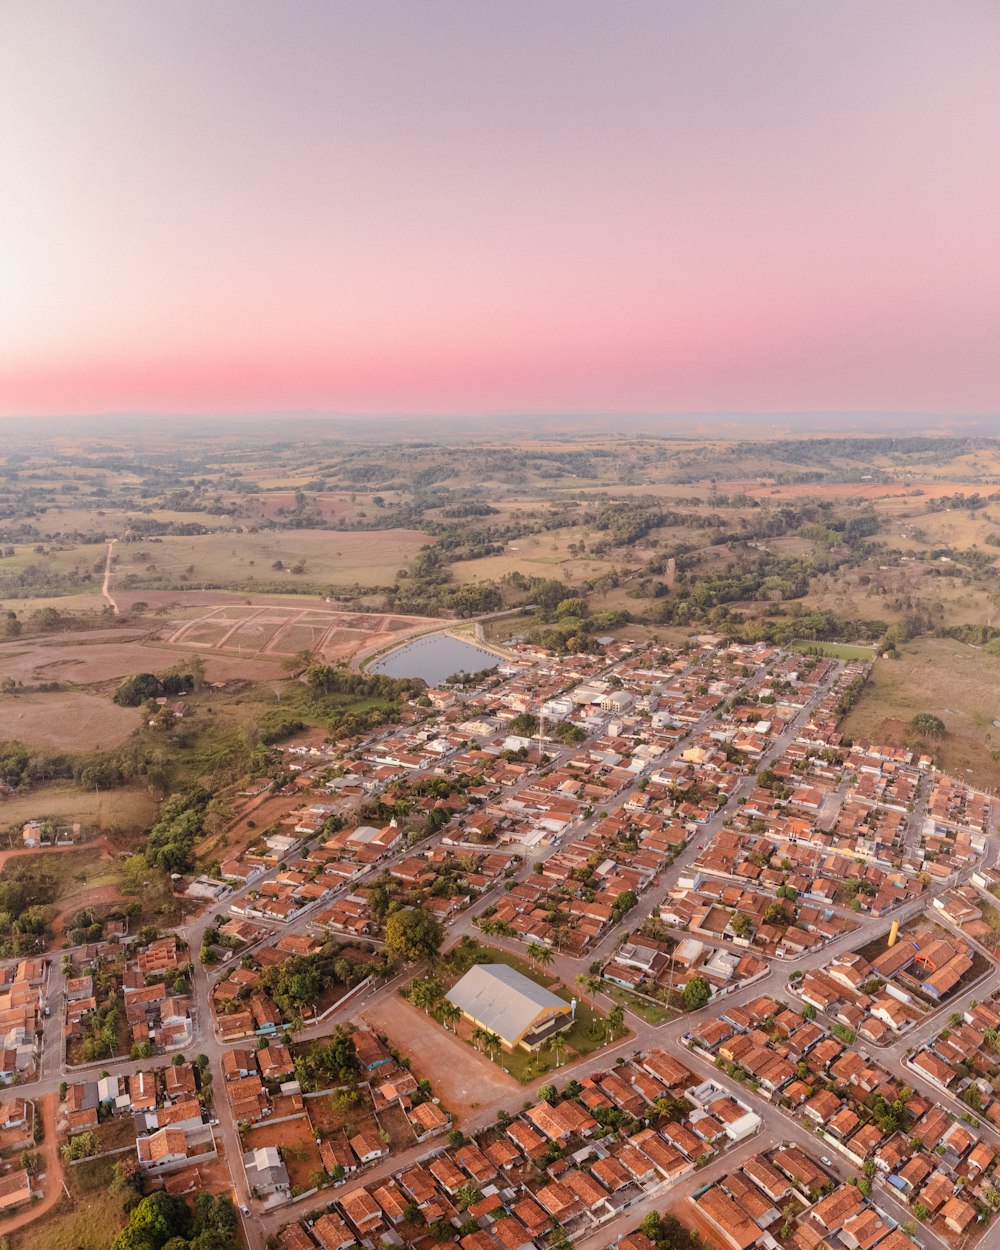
473, 206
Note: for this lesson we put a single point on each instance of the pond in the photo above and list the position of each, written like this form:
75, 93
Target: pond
434, 657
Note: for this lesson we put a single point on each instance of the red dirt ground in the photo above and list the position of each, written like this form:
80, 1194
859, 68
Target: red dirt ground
462, 1079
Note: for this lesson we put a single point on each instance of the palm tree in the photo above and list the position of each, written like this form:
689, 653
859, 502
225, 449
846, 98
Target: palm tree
616, 1018
557, 1044
450, 1014
493, 1042
541, 955
480, 1037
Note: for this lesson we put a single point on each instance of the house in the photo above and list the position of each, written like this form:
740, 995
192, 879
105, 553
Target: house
503, 1001
337, 1156
14, 1114
265, 1170
368, 1146
237, 1064
733, 1225
162, 1149
15, 1188
362, 1210
142, 1091
332, 1233
274, 1061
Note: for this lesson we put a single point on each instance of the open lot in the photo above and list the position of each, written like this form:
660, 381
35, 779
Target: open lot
462, 1078
87, 659
68, 720
280, 631
950, 679
298, 1148
85, 1220
127, 808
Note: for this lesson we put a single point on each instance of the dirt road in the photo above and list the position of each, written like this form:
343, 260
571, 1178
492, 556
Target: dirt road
52, 1167
106, 587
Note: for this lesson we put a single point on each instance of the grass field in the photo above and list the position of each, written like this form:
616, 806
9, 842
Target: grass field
954, 681
838, 650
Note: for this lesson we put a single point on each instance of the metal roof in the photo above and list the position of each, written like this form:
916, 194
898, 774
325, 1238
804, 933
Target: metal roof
502, 999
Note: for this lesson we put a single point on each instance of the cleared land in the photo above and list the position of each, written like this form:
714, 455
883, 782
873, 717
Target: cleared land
463, 1079
86, 1221
282, 631
128, 808
950, 679
69, 720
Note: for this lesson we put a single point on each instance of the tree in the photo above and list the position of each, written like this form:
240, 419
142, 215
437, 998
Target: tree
540, 955
448, 1013
546, 1093
557, 1044
741, 925
136, 690
616, 1019
928, 725
425, 992
697, 993
413, 934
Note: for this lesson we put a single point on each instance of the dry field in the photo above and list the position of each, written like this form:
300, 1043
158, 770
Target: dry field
68, 720
950, 679
88, 659
369, 558
129, 808
547, 555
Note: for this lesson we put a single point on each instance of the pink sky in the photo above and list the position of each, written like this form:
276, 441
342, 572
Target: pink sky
474, 206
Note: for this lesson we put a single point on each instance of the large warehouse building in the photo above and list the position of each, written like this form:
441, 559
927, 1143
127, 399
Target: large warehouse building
511, 1005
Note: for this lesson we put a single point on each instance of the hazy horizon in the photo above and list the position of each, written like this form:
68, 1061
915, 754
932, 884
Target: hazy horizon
456, 207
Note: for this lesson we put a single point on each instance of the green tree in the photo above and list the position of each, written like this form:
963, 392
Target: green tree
697, 993
412, 934
927, 725
540, 954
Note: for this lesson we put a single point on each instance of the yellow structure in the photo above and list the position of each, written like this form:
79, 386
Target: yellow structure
894, 933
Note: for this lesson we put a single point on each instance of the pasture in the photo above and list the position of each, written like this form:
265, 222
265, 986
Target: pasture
319, 557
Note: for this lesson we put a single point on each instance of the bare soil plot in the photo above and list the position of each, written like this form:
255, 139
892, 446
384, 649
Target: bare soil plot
462, 1079
298, 1148
281, 630
66, 720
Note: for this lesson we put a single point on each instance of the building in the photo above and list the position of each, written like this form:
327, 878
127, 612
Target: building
265, 1171
511, 1005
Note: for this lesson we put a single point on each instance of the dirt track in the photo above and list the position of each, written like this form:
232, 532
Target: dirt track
51, 1165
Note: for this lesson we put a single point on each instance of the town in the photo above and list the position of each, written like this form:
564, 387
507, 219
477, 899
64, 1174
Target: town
603, 949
